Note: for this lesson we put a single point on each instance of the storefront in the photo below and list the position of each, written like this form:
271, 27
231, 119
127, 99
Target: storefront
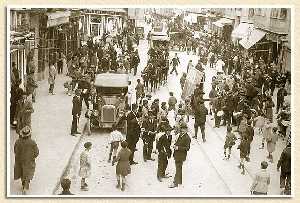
223, 27
97, 22
58, 32
20, 47
18, 57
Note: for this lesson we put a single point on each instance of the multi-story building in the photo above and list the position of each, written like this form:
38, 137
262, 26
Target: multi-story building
136, 19
23, 27
96, 22
263, 31
39, 34
276, 23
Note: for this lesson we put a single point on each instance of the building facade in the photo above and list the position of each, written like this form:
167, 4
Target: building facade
263, 31
97, 22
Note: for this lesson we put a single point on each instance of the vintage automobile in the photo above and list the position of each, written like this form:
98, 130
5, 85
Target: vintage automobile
109, 107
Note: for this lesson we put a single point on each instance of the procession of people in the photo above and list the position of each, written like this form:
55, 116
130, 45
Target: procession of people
226, 88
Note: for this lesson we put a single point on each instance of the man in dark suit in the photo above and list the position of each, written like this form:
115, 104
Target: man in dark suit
163, 143
200, 119
181, 147
133, 132
149, 126
76, 112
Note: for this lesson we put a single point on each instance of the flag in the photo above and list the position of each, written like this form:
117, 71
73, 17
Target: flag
193, 78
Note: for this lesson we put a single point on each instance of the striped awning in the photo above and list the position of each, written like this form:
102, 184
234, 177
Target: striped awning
242, 30
254, 36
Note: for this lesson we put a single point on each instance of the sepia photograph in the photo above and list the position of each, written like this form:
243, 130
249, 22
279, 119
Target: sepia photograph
152, 101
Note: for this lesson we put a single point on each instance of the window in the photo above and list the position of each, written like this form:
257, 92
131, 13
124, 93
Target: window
274, 12
251, 12
279, 13
259, 12
283, 13
95, 19
94, 29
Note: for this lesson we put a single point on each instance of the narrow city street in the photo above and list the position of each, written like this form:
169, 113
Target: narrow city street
231, 69
205, 171
51, 123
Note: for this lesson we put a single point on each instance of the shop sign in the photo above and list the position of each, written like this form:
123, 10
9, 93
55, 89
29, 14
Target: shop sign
56, 15
57, 21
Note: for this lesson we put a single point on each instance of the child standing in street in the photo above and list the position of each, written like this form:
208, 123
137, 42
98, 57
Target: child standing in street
85, 165
261, 181
115, 138
243, 147
123, 166
271, 139
229, 142
259, 123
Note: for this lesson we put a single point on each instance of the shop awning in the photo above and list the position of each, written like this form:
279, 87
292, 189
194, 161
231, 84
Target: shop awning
254, 36
223, 21
58, 18
218, 24
242, 30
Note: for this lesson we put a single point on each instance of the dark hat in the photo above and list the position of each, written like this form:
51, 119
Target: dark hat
264, 165
77, 91
65, 183
134, 106
87, 145
25, 132
124, 144
183, 125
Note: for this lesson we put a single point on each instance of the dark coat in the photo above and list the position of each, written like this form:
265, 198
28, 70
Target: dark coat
123, 166
285, 160
77, 104
133, 129
163, 146
149, 125
26, 151
200, 114
183, 142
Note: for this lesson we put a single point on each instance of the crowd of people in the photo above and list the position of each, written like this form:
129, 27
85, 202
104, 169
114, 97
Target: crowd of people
243, 95
241, 99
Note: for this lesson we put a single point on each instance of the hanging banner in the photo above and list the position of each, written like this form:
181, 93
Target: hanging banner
193, 78
57, 21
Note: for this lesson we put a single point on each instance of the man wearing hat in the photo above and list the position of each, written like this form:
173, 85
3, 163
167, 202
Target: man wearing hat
163, 143
76, 112
284, 166
200, 119
65, 184
26, 151
181, 147
149, 126
133, 131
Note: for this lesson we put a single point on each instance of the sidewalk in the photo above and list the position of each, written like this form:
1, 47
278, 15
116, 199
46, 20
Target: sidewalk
51, 122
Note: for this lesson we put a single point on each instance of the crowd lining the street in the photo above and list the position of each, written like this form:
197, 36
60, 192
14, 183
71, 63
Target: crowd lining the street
241, 99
